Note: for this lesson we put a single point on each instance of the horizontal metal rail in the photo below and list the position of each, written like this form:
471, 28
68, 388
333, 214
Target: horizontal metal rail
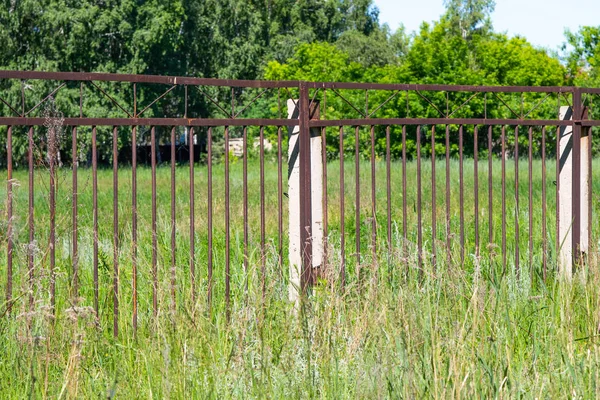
183, 80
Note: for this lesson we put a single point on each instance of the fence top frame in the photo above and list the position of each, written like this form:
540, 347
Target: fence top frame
266, 84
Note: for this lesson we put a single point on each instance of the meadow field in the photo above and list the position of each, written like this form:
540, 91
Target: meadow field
453, 329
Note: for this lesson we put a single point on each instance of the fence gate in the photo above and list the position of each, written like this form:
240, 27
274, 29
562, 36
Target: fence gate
128, 189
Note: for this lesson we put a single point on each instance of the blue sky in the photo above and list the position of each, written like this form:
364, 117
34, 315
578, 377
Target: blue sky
542, 22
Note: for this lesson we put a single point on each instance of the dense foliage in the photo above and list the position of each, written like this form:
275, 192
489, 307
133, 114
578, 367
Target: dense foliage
320, 40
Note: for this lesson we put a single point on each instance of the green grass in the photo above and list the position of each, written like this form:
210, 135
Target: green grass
463, 330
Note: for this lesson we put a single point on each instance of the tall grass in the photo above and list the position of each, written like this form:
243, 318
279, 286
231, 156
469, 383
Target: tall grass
455, 330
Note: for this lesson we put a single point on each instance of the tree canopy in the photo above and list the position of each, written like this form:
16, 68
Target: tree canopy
318, 40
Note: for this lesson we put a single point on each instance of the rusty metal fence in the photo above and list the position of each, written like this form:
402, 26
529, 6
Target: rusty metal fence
91, 225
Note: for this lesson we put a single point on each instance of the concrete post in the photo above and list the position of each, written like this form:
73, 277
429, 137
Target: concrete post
569, 233
294, 194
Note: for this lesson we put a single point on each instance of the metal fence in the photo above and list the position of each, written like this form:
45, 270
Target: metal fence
382, 146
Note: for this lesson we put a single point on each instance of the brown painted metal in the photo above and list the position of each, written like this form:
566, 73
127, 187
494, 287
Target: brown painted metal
131, 78
588, 131
115, 230
357, 197
388, 185
209, 216
154, 233
544, 207
530, 175
280, 199
461, 177
263, 255
52, 155
305, 187
189, 122
245, 206
30, 244
517, 255
74, 222
95, 217
576, 187
228, 228
201, 122
373, 200
173, 223
419, 206
306, 123
476, 188
134, 230
342, 213
503, 200
404, 199
558, 239
490, 191
192, 217
9, 225
433, 202
324, 189
175, 80
432, 121
324, 198
448, 243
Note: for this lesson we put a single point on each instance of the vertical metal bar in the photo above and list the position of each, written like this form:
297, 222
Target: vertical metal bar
245, 206
419, 205
134, 211
462, 193
52, 149
557, 233
503, 199
342, 213
280, 197
517, 269
134, 223
324, 206
305, 187
263, 268
228, 228
173, 222
530, 171
433, 201
95, 216
115, 149
404, 199
490, 191
9, 229
22, 97
75, 255
154, 233
75, 238
576, 201
373, 200
544, 227
448, 244
589, 184
30, 246
192, 216
388, 183
357, 197
476, 187
209, 217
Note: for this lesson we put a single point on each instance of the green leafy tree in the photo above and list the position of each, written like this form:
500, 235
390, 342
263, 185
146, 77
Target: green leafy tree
584, 59
469, 17
205, 38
